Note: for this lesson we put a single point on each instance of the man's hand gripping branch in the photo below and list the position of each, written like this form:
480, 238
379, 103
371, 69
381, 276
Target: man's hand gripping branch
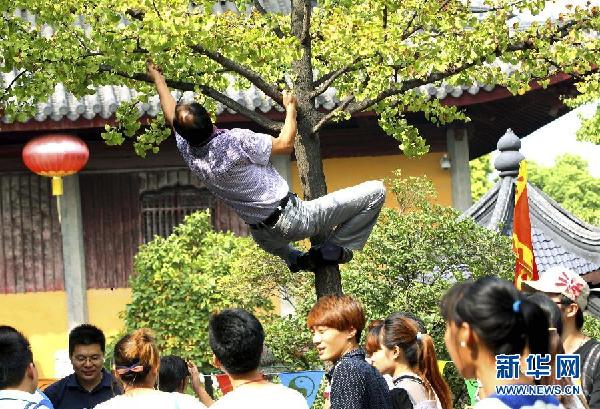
284, 144
167, 102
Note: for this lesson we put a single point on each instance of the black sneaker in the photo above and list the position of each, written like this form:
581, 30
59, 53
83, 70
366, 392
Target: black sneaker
328, 254
346, 256
304, 262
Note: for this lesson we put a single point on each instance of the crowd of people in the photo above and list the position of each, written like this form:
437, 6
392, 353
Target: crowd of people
397, 366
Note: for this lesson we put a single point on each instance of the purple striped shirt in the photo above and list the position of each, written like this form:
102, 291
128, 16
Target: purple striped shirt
234, 165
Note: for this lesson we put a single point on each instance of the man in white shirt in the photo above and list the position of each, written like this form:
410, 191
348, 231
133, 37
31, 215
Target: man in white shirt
18, 374
236, 338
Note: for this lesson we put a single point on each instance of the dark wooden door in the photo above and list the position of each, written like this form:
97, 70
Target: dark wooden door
111, 227
30, 241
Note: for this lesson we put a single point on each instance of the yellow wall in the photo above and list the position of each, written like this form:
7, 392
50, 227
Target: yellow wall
42, 317
104, 308
344, 172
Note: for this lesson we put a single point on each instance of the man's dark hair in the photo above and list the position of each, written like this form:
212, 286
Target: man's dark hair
15, 357
86, 334
199, 129
173, 371
236, 338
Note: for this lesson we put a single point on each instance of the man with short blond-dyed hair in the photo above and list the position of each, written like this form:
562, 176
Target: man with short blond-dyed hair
336, 323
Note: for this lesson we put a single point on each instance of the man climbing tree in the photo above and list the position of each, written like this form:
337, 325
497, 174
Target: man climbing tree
381, 56
234, 164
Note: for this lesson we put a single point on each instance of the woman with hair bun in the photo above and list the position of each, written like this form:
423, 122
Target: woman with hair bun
489, 317
136, 365
408, 355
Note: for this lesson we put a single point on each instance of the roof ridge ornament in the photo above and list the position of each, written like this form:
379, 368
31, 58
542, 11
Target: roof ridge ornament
507, 162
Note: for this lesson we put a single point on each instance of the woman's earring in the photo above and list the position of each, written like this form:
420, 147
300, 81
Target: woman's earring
463, 344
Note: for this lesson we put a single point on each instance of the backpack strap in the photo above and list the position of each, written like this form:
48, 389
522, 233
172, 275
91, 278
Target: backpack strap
409, 378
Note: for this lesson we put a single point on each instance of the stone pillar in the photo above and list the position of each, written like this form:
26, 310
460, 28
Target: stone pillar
73, 252
458, 152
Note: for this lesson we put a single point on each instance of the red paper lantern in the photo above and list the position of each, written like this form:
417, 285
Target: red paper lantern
55, 156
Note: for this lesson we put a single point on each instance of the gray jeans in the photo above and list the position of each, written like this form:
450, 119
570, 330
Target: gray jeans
348, 214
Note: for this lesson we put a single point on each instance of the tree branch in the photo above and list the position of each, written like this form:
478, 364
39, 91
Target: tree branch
407, 32
156, 10
326, 80
259, 7
408, 85
260, 119
245, 72
435, 77
208, 91
328, 117
14, 81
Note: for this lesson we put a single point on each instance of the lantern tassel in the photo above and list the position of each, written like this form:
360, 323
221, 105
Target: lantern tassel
57, 186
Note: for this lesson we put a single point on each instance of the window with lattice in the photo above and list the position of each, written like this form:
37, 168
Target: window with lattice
165, 208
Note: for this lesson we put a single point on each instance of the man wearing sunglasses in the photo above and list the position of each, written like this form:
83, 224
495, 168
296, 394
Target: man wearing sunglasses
572, 294
90, 384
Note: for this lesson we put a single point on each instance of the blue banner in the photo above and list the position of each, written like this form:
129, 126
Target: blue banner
305, 382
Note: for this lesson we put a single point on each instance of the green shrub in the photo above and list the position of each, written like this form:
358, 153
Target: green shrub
182, 279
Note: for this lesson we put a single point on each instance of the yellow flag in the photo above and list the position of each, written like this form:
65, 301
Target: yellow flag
525, 268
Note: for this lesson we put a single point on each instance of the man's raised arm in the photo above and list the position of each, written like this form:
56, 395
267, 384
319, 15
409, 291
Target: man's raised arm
167, 102
284, 144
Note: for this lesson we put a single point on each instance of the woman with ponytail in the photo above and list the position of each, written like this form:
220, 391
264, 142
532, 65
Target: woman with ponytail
136, 364
408, 356
489, 317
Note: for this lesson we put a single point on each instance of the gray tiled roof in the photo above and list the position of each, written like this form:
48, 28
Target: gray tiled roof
104, 102
548, 253
558, 237
106, 99
563, 238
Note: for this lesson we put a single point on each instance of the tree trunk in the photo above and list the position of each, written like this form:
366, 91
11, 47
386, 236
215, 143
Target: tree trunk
328, 281
310, 168
307, 145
